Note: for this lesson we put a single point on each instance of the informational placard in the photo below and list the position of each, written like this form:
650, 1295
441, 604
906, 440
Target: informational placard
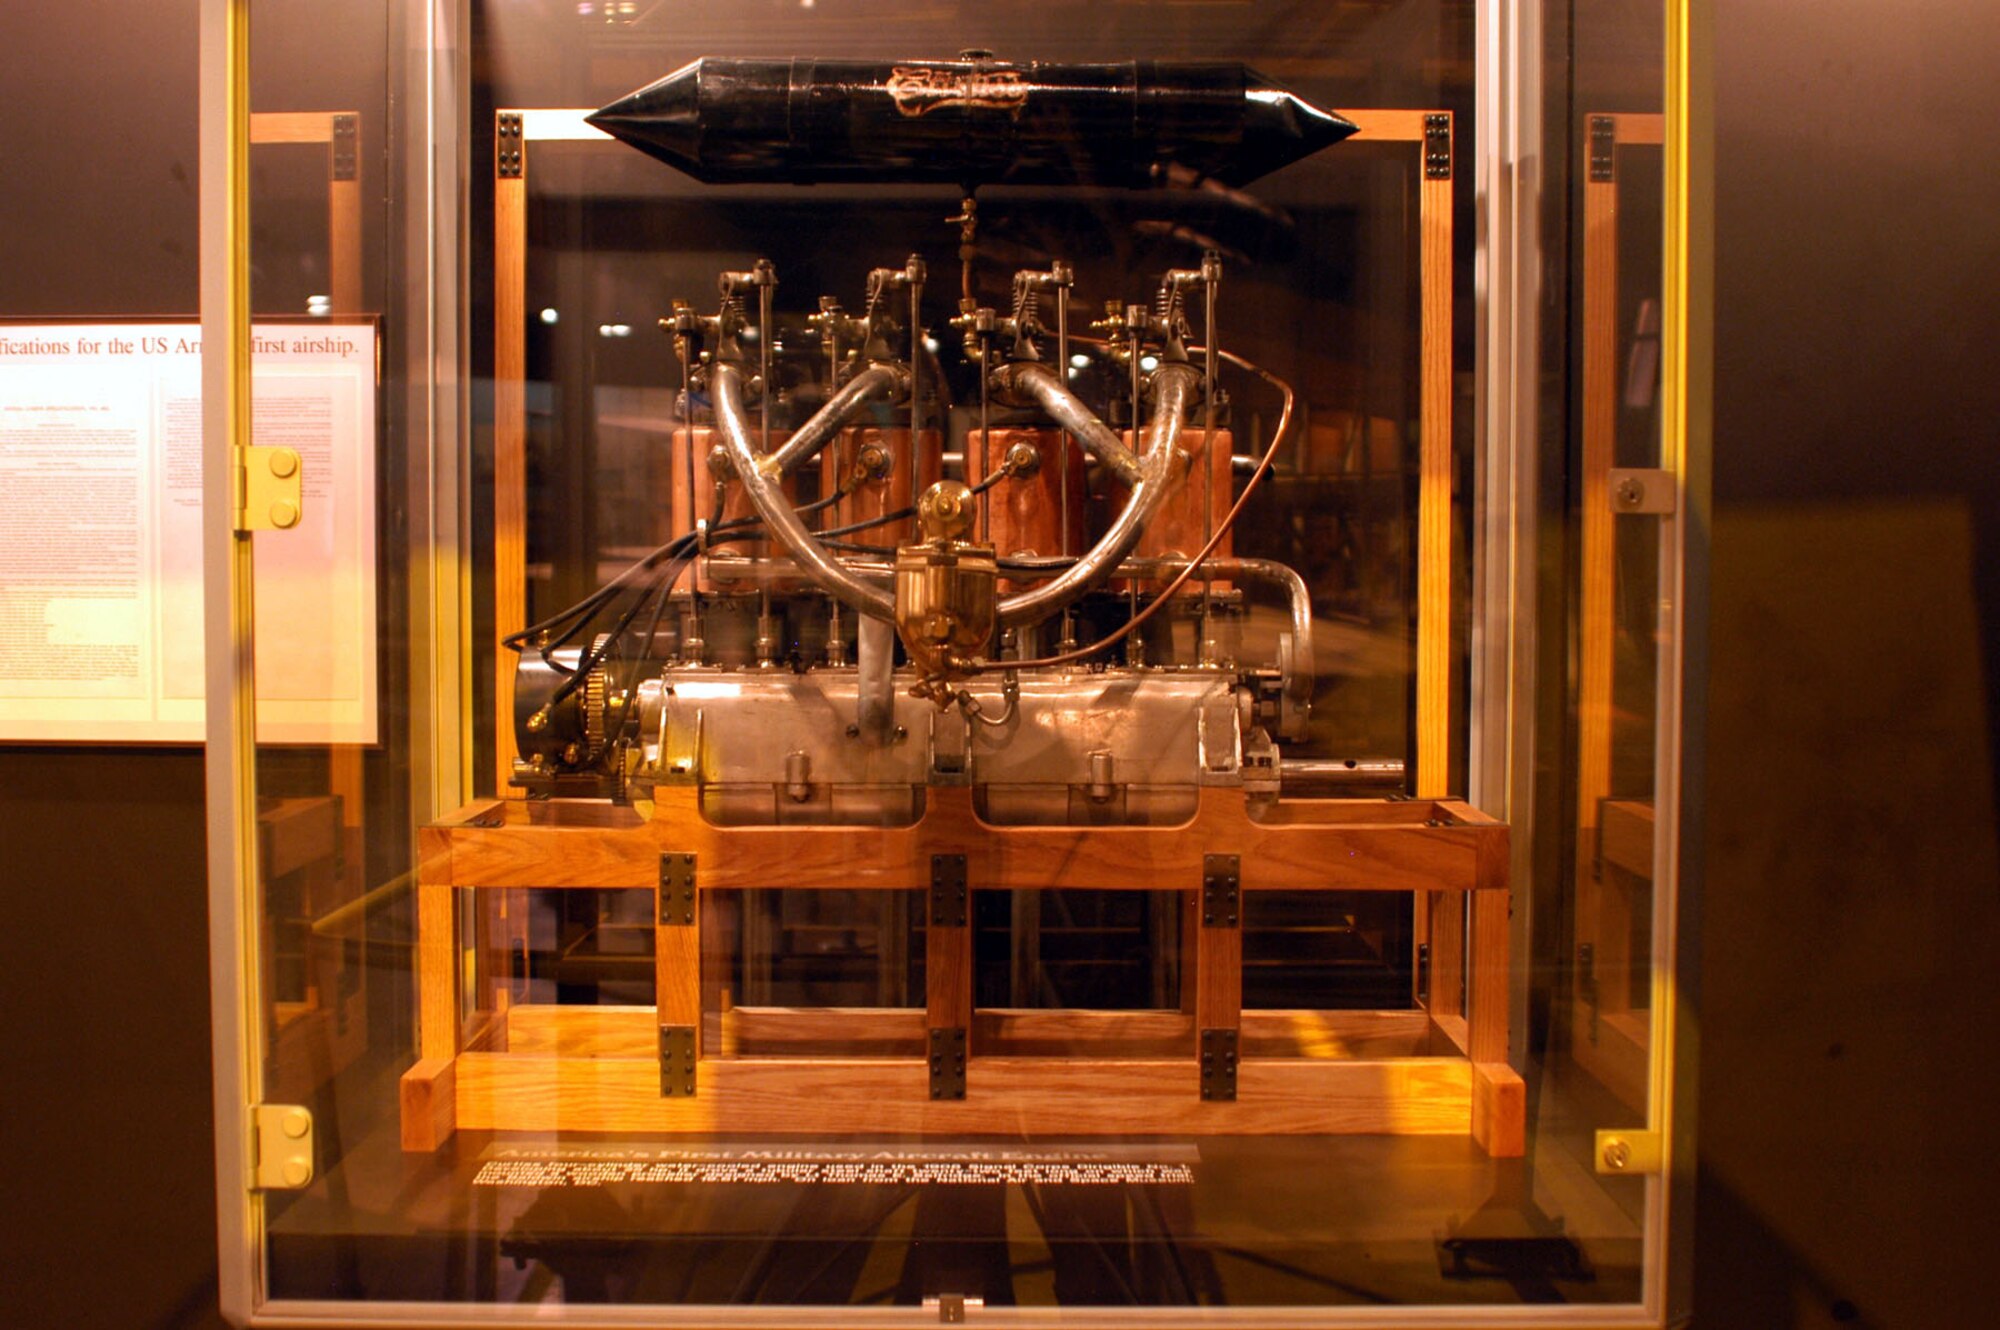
100, 533
542, 1167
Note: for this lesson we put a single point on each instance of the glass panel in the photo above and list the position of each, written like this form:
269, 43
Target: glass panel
1598, 891
888, 880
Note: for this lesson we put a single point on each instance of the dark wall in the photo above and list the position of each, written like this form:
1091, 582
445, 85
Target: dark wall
1849, 901
109, 1217
1851, 889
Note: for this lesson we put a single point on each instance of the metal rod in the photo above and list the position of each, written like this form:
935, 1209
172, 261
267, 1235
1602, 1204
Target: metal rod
766, 291
1211, 274
985, 428
1297, 775
916, 378
1063, 370
691, 645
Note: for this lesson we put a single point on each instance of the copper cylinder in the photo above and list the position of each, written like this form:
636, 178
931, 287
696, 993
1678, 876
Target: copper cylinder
1181, 528
686, 508
883, 489
1024, 514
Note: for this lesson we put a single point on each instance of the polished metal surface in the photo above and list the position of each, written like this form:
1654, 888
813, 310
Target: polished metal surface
780, 747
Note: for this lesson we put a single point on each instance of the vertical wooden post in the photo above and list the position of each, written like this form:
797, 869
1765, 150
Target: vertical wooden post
948, 947
510, 423
1604, 900
677, 943
1218, 970
343, 221
426, 1094
1434, 428
1434, 135
1447, 995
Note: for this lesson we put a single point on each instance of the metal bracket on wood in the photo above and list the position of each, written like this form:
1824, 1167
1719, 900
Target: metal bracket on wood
948, 893
1424, 972
947, 1062
951, 1307
1603, 149
677, 887
346, 146
1437, 146
1221, 880
1218, 1064
1638, 489
1633, 1152
507, 160
677, 1062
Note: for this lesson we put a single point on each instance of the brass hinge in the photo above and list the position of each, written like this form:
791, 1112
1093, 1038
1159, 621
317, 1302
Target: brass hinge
281, 1138
1437, 146
1633, 1152
270, 489
507, 161
1636, 489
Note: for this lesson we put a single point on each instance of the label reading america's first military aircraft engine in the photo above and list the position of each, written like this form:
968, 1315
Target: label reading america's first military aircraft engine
853, 1164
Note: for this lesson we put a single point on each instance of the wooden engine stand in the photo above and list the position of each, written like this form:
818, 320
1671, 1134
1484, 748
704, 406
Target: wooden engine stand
636, 1069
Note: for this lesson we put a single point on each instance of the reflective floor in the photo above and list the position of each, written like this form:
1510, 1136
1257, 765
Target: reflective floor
818, 1220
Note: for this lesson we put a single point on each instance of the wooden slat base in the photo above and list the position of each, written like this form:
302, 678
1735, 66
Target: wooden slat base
1030, 1071
1032, 1096
1302, 845
817, 1032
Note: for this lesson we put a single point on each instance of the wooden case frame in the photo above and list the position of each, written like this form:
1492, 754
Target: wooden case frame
525, 1068
314, 1039
1614, 837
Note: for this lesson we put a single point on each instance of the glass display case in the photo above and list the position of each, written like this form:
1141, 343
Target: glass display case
1025, 662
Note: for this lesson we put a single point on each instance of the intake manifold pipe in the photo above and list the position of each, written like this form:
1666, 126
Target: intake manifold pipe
1174, 386
1040, 384
761, 484
878, 383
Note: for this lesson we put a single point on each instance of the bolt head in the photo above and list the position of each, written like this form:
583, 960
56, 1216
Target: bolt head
1617, 1153
284, 516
